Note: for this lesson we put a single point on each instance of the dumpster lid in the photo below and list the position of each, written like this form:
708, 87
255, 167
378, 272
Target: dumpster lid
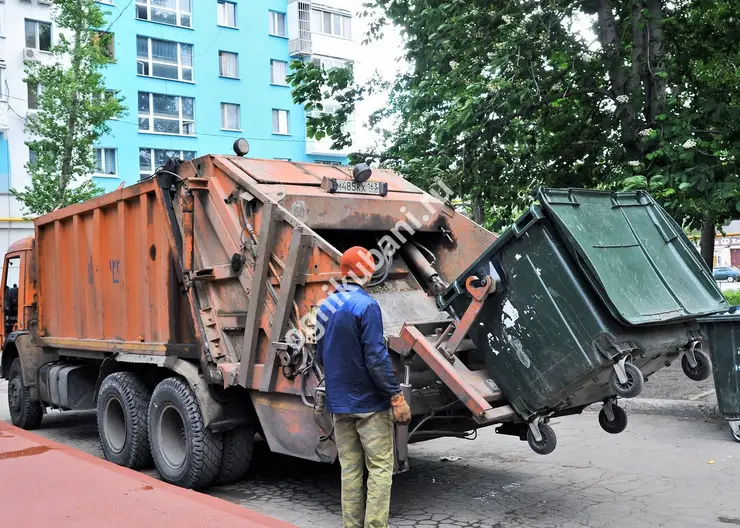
634, 254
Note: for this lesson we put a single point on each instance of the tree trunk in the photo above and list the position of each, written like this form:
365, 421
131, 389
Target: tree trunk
614, 58
706, 243
656, 60
68, 146
640, 53
639, 69
479, 212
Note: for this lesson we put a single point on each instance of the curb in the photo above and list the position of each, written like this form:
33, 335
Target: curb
678, 408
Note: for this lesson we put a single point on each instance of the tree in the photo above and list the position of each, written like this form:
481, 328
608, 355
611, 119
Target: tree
313, 85
505, 96
73, 110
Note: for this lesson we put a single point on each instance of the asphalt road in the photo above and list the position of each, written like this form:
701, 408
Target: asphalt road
661, 472
672, 384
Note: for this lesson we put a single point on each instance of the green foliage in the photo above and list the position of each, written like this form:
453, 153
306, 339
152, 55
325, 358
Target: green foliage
73, 110
505, 96
313, 86
732, 296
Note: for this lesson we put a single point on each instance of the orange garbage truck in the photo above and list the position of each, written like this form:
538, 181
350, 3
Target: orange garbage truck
184, 310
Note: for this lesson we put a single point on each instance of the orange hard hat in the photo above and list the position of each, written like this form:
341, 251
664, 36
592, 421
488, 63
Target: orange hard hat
357, 261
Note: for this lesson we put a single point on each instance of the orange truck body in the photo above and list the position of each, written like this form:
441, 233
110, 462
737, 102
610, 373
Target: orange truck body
202, 272
106, 278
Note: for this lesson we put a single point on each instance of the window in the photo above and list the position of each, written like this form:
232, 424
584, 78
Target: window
150, 159
278, 72
172, 12
109, 95
329, 63
105, 41
12, 278
38, 35
330, 107
279, 121
166, 114
33, 157
226, 13
277, 24
228, 64
164, 59
331, 23
105, 162
33, 90
230, 116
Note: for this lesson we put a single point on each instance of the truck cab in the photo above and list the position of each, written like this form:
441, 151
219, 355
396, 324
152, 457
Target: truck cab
17, 294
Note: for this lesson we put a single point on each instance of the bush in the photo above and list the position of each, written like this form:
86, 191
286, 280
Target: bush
732, 296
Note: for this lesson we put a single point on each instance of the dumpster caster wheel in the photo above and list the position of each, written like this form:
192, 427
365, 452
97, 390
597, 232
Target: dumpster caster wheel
546, 443
617, 423
735, 429
626, 379
701, 369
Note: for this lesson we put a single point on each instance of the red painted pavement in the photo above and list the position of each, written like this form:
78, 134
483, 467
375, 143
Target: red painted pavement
44, 484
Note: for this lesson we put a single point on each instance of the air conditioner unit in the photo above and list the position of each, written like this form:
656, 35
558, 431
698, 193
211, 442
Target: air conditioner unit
30, 54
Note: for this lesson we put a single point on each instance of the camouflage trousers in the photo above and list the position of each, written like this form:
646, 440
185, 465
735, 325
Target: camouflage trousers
365, 440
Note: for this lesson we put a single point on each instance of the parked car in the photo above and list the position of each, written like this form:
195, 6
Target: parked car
726, 273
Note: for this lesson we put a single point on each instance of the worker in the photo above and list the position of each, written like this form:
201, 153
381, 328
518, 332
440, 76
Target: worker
362, 393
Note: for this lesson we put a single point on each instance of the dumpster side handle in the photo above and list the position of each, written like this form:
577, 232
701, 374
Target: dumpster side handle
484, 288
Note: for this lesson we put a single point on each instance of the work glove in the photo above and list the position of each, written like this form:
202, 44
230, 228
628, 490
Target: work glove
400, 409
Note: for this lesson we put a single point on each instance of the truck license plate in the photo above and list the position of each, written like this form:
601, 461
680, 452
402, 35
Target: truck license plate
348, 186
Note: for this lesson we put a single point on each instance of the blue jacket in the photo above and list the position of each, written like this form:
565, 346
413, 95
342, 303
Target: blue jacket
357, 368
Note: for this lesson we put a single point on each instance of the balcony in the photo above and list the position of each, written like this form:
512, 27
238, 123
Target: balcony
299, 28
300, 47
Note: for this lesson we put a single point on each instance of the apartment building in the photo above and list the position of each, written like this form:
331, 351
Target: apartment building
195, 75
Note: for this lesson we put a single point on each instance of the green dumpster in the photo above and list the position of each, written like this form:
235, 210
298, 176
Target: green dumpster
595, 291
722, 337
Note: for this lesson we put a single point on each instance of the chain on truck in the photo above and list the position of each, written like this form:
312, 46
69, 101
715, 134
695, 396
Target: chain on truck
183, 309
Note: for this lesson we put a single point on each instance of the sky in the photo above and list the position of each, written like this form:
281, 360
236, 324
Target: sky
381, 55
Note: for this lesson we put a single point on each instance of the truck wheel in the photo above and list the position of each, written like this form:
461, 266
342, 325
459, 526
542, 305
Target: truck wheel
237, 455
24, 412
123, 403
186, 453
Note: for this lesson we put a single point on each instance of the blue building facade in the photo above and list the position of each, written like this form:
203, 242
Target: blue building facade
195, 75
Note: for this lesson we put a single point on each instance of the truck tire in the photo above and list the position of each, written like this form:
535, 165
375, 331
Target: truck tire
24, 412
186, 453
123, 405
237, 455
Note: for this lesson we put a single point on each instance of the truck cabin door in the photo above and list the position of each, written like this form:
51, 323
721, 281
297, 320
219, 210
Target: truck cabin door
10, 294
